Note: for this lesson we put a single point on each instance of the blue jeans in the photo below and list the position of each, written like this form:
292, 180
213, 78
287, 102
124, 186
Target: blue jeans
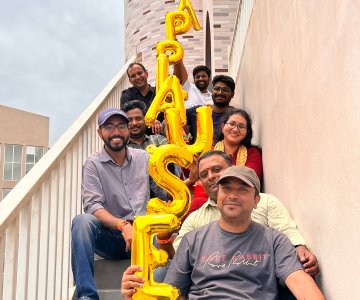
89, 236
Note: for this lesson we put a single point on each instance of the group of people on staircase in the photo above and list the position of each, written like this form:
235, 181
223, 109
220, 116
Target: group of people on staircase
221, 250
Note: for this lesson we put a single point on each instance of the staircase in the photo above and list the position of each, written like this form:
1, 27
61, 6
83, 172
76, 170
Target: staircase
35, 217
108, 275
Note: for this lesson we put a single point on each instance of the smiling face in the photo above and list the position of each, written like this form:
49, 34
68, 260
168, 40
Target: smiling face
234, 130
136, 123
116, 140
210, 170
201, 81
137, 76
236, 200
221, 94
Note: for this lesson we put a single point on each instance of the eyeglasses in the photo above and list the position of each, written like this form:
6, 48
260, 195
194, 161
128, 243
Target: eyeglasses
223, 89
240, 126
111, 127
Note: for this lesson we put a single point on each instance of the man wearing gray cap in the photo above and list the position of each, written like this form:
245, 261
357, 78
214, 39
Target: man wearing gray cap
115, 188
235, 257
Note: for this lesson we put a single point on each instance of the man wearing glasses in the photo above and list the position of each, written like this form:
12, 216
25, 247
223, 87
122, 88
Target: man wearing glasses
115, 189
222, 93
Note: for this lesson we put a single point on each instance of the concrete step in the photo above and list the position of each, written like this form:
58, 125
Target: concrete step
108, 275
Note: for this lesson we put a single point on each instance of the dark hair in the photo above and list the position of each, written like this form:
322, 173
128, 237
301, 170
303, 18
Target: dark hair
133, 64
225, 79
134, 104
210, 153
200, 68
249, 132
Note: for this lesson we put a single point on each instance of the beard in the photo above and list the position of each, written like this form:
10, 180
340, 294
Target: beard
117, 147
221, 104
139, 134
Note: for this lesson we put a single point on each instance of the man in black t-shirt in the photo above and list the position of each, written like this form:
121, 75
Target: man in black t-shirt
222, 93
142, 91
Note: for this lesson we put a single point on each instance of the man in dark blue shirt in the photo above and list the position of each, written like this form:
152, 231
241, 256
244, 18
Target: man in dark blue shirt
222, 93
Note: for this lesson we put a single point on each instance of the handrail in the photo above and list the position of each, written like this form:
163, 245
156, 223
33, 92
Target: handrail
35, 217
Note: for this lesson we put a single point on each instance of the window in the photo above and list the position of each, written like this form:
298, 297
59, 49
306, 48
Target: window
12, 162
5, 192
33, 155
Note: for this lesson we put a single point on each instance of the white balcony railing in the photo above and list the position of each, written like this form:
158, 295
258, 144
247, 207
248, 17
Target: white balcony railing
35, 218
239, 36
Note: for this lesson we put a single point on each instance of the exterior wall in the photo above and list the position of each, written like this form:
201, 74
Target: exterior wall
224, 15
145, 26
299, 79
21, 128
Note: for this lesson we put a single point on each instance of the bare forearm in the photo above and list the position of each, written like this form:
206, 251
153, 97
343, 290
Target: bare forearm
106, 218
180, 71
303, 286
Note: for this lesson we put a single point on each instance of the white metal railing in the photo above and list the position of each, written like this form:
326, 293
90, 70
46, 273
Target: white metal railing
239, 35
35, 217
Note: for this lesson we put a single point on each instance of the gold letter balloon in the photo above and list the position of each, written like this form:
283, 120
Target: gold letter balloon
165, 216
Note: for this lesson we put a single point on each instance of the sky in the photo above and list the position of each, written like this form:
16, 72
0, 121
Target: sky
57, 56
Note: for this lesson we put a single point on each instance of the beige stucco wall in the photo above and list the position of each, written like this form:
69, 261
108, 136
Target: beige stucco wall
300, 79
21, 128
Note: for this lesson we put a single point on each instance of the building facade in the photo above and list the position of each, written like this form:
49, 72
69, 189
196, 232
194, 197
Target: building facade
145, 27
24, 138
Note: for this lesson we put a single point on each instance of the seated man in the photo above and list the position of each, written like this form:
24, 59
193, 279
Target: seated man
235, 257
198, 93
269, 211
115, 189
136, 111
141, 91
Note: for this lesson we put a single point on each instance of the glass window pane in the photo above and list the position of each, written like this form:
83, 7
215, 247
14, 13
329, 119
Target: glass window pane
17, 153
7, 171
30, 150
17, 171
5, 192
29, 167
30, 158
39, 152
9, 153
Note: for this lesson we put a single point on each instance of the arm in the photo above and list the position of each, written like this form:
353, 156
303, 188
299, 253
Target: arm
308, 259
180, 71
254, 161
180, 270
303, 286
278, 217
109, 221
188, 225
94, 199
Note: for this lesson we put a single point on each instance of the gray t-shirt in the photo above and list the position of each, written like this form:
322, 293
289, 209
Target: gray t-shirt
211, 263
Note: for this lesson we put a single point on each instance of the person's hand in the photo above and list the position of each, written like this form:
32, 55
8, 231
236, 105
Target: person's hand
193, 168
308, 259
127, 235
156, 127
164, 235
130, 282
